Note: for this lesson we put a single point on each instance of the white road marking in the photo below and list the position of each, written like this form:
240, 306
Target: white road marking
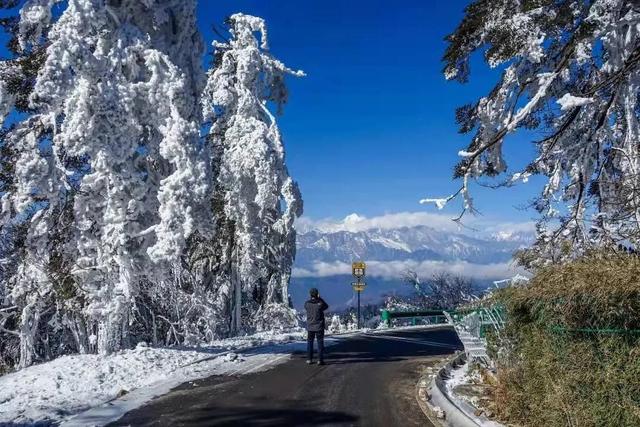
252, 367
267, 363
418, 341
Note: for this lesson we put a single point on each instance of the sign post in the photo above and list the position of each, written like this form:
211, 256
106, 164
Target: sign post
359, 270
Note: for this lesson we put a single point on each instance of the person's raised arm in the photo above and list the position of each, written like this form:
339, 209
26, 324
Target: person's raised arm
324, 305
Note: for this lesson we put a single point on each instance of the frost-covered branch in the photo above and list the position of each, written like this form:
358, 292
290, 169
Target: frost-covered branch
573, 73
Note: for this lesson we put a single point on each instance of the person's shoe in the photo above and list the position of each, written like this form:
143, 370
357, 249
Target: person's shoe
309, 362
320, 362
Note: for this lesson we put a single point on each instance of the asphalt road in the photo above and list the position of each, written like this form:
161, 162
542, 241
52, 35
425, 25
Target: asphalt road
368, 380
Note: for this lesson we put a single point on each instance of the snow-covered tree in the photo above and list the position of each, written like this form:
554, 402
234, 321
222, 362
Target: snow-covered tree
335, 326
16, 84
259, 200
112, 142
571, 73
118, 223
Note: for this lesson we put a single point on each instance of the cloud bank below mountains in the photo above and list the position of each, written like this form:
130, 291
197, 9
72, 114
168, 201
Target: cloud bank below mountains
472, 224
394, 270
477, 227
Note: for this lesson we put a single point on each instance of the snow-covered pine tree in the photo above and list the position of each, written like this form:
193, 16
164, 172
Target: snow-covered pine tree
571, 72
117, 93
28, 256
260, 200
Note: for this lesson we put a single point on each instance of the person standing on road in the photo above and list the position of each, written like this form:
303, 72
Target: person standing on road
315, 325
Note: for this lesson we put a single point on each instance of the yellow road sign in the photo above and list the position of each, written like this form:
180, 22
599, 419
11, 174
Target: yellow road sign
359, 269
359, 287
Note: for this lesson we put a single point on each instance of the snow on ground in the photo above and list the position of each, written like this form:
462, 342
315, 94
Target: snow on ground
56, 391
384, 329
90, 390
463, 375
458, 377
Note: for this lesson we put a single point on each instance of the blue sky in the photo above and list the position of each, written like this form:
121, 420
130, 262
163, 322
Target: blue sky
371, 128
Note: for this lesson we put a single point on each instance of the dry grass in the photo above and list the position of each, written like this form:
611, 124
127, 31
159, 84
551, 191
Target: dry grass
598, 291
550, 378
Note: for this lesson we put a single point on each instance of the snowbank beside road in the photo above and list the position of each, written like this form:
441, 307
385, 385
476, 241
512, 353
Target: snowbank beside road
57, 390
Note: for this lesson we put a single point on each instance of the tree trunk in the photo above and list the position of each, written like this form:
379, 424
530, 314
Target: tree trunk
28, 326
79, 330
236, 312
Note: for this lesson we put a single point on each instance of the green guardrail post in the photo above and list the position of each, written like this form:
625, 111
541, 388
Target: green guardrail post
385, 318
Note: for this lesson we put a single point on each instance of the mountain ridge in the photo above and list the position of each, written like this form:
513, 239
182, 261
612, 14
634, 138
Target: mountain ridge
418, 243
324, 255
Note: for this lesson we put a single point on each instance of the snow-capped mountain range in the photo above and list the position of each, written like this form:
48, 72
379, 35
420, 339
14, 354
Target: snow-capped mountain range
419, 243
395, 243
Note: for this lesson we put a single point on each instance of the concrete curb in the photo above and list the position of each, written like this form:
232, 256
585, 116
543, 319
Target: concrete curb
439, 407
423, 397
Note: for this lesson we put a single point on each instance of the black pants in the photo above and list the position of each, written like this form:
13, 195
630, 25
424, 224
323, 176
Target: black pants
310, 337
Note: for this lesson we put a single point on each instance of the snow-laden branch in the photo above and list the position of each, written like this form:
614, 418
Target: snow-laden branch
577, 82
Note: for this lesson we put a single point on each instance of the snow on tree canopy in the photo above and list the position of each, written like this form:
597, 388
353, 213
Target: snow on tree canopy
112, 146
260, 198
120, 222
571, 72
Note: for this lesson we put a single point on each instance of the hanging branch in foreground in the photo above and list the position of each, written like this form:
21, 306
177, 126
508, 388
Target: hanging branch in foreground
571, 73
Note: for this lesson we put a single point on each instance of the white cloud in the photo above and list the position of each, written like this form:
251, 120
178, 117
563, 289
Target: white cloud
511, 227
395, 269
442, 222
323, 269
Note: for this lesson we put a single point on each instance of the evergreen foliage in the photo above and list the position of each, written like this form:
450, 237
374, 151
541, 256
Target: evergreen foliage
120, 222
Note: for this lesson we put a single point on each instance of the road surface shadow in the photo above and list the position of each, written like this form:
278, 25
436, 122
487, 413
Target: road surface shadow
342, 359
355, 391
245, 416
389, 350
345, 358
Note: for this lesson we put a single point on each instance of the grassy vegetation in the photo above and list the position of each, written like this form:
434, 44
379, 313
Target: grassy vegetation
570, 352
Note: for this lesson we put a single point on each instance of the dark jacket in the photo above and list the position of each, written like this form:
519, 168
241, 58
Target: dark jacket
315, 314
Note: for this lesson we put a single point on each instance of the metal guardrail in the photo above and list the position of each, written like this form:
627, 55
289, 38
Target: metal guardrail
471, 326
480, 320
433, 316
476, 321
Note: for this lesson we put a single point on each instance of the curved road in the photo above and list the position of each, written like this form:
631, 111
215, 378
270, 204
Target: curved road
368, 380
